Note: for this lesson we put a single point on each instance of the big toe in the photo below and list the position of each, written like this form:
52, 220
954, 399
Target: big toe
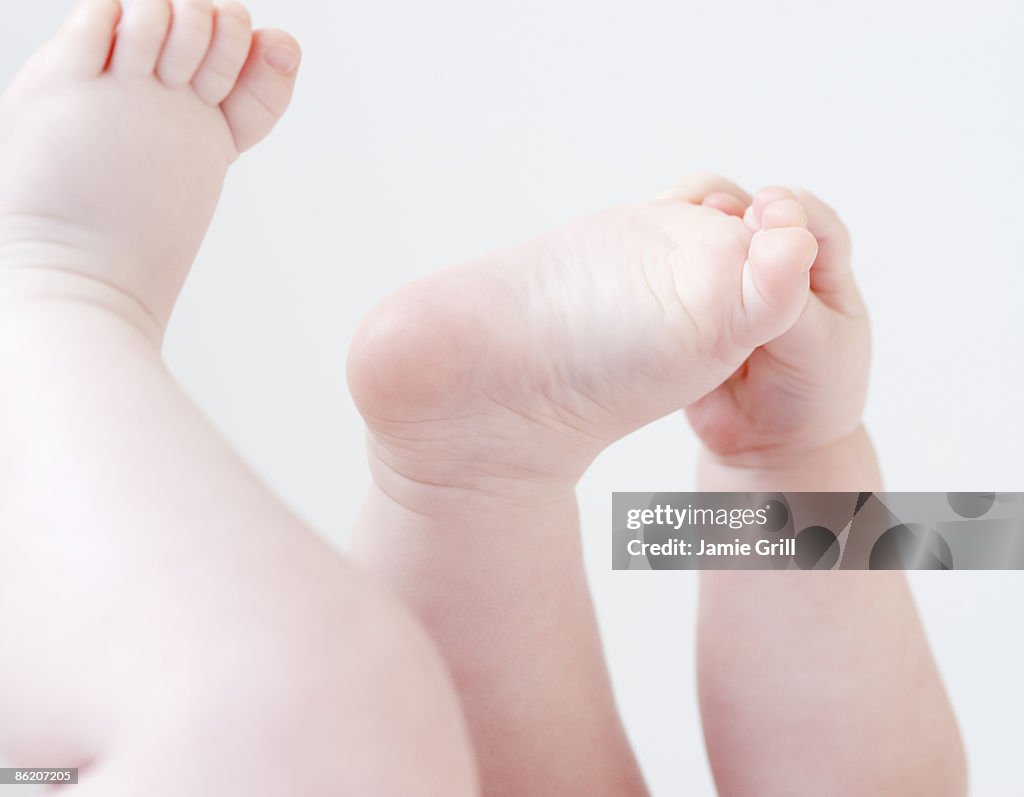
264, 88
82, 46
776, 276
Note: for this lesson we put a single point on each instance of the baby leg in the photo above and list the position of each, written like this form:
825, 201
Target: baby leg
488, 389
813, 683
165, 617
501, 588
169, 626
822, 683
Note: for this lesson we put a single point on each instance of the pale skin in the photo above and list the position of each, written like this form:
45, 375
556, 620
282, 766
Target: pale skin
539, 358
169, 626
475, 461
207, 625
837, 692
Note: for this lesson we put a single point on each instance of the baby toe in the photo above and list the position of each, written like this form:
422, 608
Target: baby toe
776, 282
728, 204
696, 188
140, 39
82, 47
783, 213
761, 200
232, 41
188, 42
264, 88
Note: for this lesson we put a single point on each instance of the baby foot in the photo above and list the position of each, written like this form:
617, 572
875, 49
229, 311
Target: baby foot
508, 375
116, 137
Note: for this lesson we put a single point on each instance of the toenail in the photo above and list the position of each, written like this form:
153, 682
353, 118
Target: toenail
283, 59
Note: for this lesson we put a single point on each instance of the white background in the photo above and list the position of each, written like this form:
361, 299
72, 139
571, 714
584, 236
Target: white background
426, 133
